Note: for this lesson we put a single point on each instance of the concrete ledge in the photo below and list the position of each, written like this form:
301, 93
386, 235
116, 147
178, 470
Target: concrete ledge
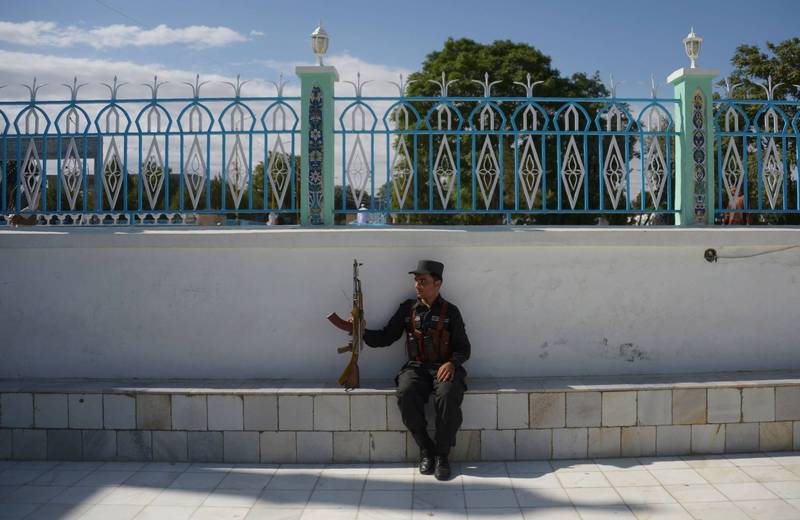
296, 421
741, 379
397, 236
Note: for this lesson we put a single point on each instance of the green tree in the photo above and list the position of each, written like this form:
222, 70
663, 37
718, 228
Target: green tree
508, 62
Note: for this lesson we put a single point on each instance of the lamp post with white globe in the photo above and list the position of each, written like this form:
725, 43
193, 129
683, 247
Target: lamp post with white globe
694, 164
316, 128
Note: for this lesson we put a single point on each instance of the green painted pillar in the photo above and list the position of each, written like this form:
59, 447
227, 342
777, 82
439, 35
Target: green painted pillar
694, 150
316, 123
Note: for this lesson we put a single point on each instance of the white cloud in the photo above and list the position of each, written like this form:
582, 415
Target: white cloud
18, 68
349, 67
254, 33
42, 33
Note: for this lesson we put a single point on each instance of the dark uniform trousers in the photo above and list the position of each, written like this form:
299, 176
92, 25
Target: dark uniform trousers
415, 384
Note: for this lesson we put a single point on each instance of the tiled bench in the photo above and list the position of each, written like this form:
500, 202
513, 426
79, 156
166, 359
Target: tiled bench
312, 421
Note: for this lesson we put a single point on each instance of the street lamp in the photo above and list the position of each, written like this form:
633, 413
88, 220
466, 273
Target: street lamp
319, 42
692, 44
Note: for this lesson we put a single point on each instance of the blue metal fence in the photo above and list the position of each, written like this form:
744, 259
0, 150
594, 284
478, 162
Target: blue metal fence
505, 155
156, 160
758, 150
170, 160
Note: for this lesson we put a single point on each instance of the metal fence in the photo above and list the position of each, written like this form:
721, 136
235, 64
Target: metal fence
172, 160
506, 155
757, 156
156, 160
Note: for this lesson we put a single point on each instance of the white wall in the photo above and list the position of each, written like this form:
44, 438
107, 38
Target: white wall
214, 303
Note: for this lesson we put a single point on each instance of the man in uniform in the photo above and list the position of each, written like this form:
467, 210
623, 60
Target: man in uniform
437, 347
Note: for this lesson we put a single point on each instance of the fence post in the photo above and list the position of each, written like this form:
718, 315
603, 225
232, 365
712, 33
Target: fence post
317, 152
694, 150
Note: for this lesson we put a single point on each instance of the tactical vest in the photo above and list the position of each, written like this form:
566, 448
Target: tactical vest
431, 345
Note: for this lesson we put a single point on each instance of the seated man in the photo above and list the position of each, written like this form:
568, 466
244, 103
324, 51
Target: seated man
437, 346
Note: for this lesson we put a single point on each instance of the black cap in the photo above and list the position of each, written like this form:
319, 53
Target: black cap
431, 267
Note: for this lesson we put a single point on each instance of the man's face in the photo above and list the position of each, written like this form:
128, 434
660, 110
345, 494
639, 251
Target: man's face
426, 287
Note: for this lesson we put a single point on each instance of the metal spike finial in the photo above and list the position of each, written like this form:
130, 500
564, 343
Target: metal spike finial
401, 87
769, 88
33, 89
74, 88
237, 88
653, 86
528, 86
154, 87
487, 87
279, 85
729, 87
114, 88
612, 86
444, 85
196, 86
359, 85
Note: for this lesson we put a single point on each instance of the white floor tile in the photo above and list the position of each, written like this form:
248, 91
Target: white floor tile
630, 478
745, 491
283, 498
131, 496
550, 513
490, 498
715, 511
334, 499
691, 493
542, 497
645, 495
387, 500
220, 513
677, 476
768, 509
232, 498
582, 479
785, 490
724, 475
660, 512
106, 512
180, 497
444, 499
166, 513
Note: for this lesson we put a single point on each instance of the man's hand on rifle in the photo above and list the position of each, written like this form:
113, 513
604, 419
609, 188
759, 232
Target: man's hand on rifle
350, 321
446, 372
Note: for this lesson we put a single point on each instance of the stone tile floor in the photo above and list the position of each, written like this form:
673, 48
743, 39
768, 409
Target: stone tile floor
727, 487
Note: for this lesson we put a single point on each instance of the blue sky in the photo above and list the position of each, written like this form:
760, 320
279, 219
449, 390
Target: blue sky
258, 38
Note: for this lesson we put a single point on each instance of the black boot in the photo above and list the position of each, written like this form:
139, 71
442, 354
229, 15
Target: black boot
442, 471
426, 465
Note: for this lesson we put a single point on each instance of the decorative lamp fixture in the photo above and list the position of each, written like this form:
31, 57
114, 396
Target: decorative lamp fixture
319, 43
692, 44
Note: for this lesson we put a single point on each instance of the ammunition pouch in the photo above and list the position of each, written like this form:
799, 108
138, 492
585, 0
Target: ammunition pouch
431, 345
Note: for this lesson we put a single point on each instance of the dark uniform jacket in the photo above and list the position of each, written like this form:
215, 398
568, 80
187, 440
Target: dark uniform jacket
459, 343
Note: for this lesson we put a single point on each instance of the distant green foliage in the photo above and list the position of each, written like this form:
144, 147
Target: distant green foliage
508, 62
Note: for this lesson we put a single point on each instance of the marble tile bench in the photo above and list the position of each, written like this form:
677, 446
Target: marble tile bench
296, 421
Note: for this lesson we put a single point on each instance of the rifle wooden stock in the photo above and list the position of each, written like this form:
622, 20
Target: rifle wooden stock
339, 323
349, 378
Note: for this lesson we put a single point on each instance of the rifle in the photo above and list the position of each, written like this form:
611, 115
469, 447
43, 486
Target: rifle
349, 378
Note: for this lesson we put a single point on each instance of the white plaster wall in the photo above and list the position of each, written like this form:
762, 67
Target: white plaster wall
217, 303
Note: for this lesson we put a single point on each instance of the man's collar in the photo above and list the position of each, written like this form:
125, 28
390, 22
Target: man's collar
435, 302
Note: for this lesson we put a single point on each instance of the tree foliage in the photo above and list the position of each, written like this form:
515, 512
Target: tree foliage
508, 62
